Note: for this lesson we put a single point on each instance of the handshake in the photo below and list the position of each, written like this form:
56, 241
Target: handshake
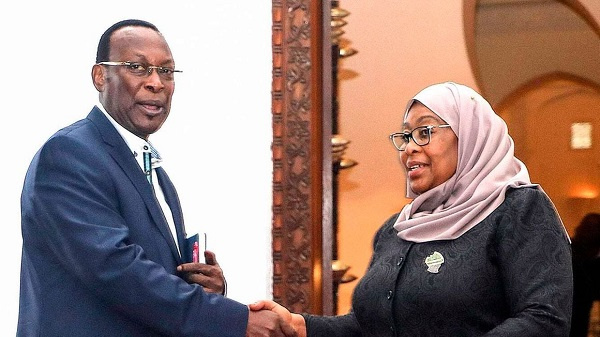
268, 318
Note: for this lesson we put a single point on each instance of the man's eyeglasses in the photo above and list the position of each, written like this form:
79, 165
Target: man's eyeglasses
144, 70
420, 135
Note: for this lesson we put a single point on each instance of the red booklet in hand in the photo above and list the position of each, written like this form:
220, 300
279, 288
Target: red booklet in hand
195, 246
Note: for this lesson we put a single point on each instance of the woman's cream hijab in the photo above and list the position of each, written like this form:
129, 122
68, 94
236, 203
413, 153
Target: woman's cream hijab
486, 168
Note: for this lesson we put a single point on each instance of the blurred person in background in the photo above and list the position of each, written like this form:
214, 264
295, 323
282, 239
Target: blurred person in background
586, 272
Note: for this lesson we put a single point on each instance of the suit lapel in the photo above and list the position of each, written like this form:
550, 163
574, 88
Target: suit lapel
122, 155
173, 200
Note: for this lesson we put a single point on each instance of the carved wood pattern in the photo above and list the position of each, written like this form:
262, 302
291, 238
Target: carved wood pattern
297, 157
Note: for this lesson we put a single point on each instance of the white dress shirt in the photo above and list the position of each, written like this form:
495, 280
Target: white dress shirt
136, 145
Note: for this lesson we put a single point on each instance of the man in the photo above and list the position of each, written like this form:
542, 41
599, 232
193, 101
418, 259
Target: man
102, 225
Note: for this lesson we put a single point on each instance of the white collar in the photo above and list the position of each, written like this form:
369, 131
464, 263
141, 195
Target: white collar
135, 143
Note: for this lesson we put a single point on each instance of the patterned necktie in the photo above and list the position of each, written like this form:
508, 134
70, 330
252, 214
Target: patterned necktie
152, 160
155, 155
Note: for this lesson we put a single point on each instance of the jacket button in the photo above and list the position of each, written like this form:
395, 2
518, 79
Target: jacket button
389, 295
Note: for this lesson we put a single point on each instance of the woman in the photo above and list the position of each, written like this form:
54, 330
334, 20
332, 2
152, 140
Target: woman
480, 250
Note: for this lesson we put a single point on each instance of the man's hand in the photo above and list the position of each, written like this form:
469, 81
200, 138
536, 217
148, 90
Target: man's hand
266, 323
295, 320
209, 275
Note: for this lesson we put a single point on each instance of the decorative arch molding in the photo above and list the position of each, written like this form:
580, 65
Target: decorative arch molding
546, 78
301, 148
540, 115
580, 9
469, 15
